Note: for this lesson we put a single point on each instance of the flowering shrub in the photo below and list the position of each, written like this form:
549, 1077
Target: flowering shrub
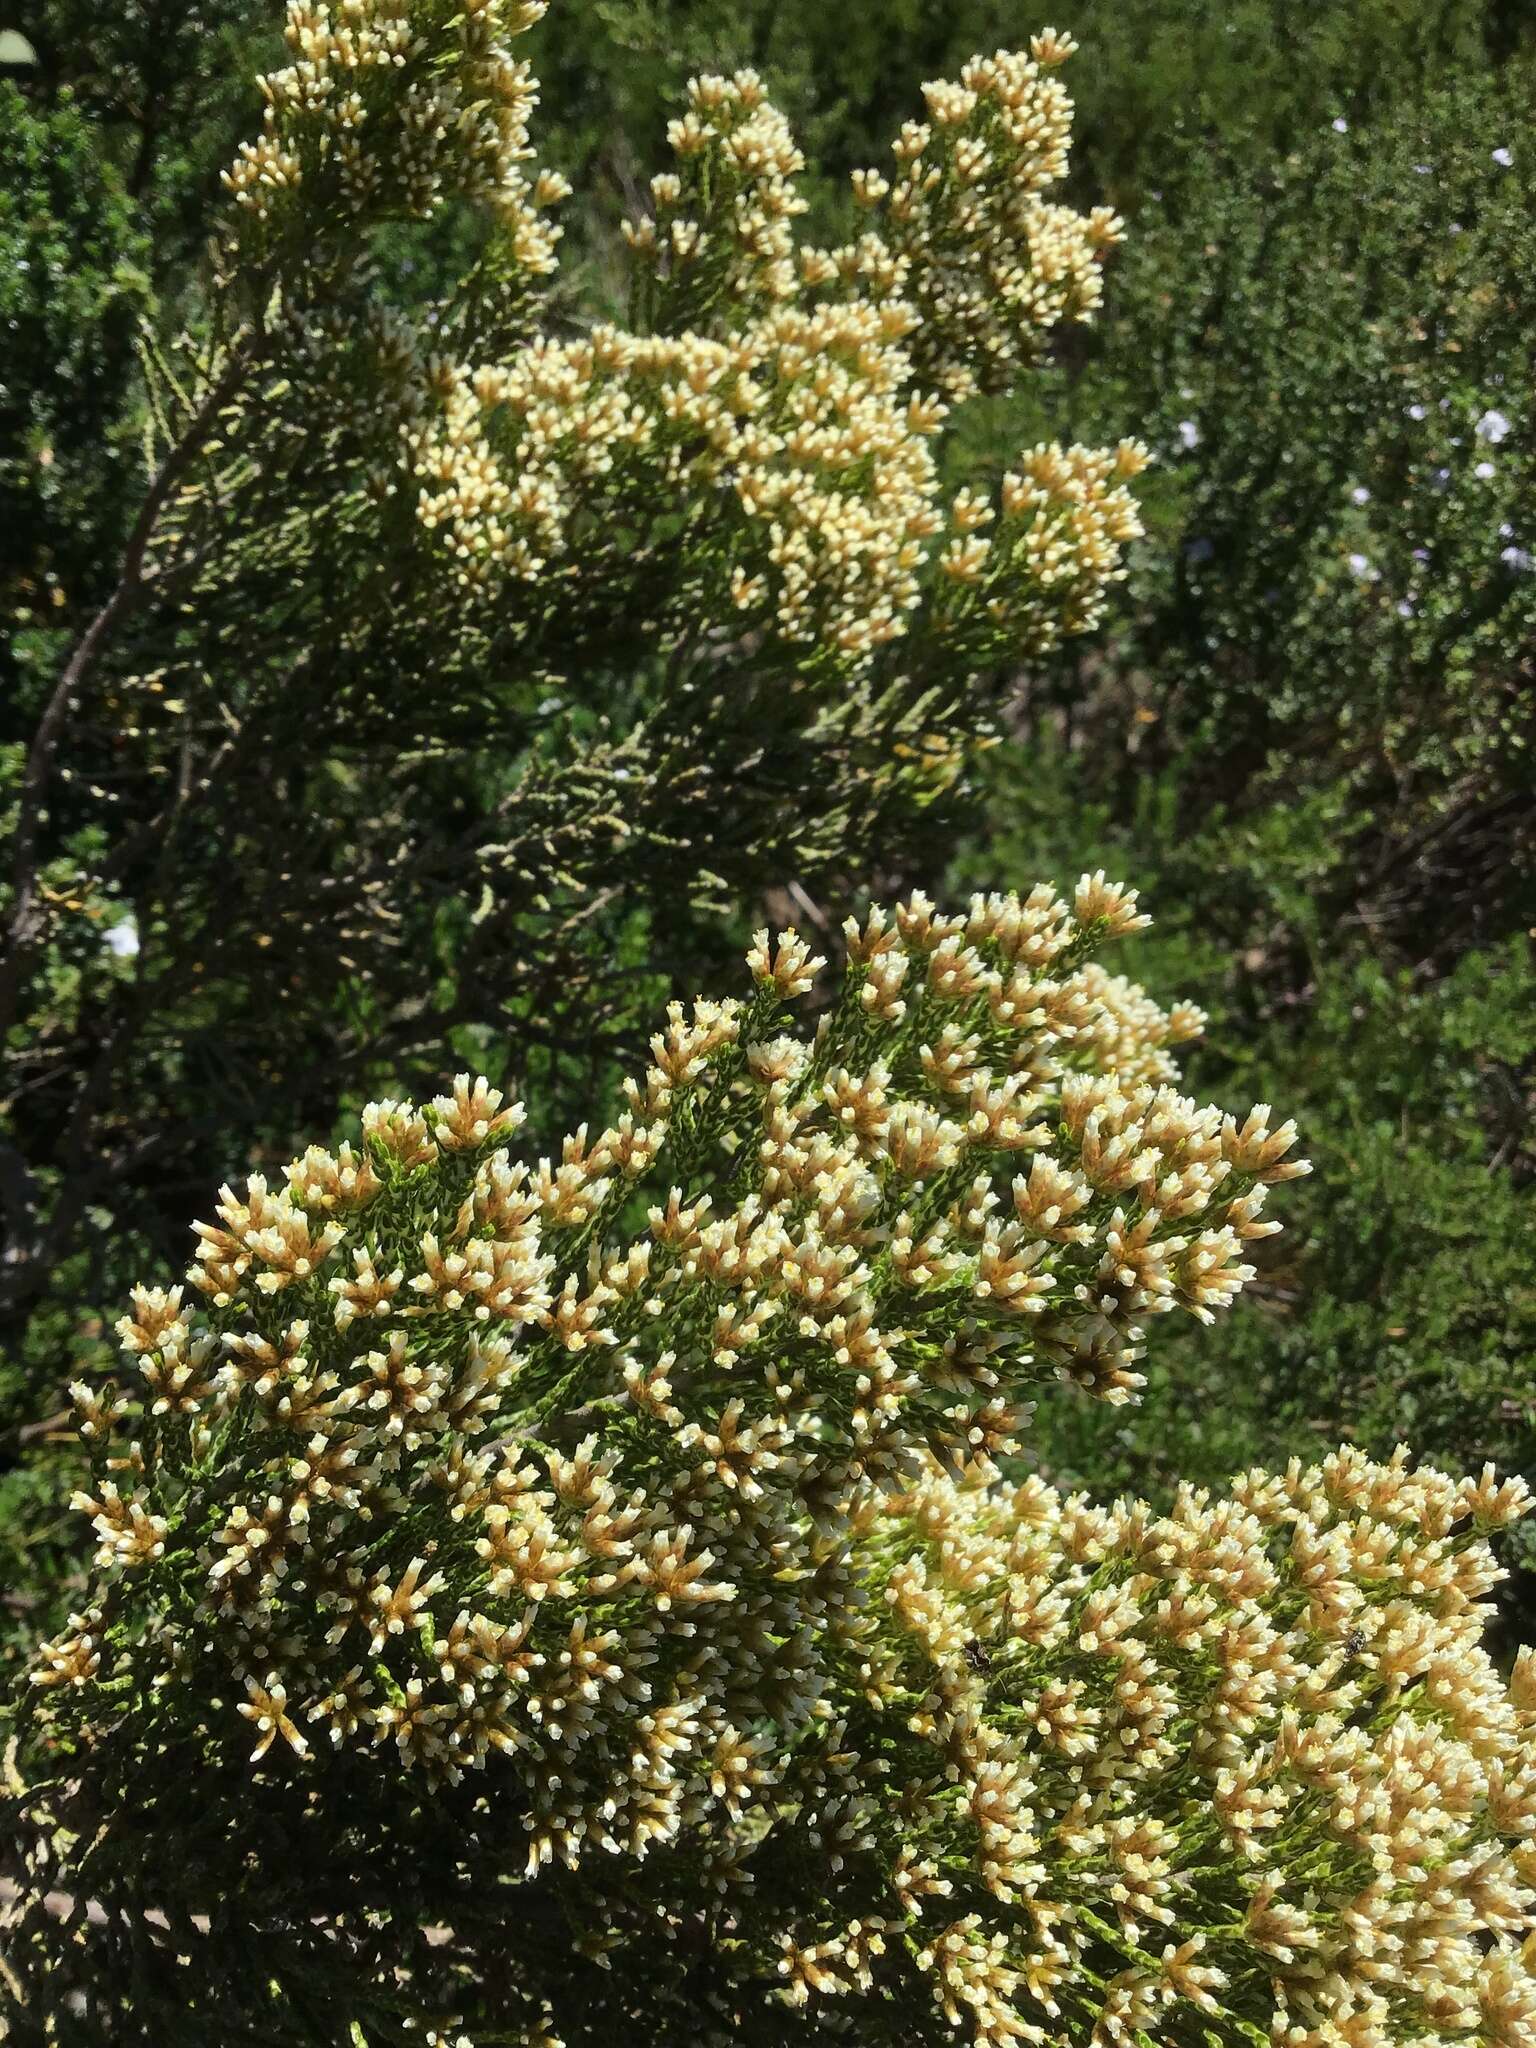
798, 390
444, 643
614, 1545
795, 391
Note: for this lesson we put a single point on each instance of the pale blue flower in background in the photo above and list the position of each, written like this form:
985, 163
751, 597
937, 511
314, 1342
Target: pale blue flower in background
1493, 426
1483, 470
1189, 433
122, 939
1340, 126
1361, 495
1503, 156
1515, 558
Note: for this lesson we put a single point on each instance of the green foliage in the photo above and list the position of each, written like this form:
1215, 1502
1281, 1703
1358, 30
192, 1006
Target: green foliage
1338, 599
72, 286
168, 92
1176, 81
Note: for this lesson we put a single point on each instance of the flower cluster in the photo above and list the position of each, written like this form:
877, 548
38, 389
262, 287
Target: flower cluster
396, 105
719, 242
963, 231
1236, 1771
962, 239
650, 1494
796, 393
798, 435
780, 404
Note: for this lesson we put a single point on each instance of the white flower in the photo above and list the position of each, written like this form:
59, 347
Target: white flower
1503, 156
1415, 412
122, 939
1483, 470
1189, 433
1340, 125
1360, 566
1360, 495
1404, 608
1516, 558
1493, 426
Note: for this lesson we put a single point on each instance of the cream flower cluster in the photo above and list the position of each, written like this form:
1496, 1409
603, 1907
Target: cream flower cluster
1036, 568
1242, 1770
720, 240
963, 233
793, 446
962, 236
399, 104
856, 1246
648, 1495
780, 407
753, 461
801, 437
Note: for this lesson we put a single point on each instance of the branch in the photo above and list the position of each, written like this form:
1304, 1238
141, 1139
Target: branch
26, 919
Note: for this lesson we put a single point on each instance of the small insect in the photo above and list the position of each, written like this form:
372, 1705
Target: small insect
1354, 1642
979, 1659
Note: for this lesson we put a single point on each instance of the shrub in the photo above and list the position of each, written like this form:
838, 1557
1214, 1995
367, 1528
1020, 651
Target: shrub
613, 1548
1334, 353
457, 650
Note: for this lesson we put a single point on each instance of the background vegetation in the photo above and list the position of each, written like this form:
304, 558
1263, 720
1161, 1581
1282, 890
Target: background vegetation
1305, 731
